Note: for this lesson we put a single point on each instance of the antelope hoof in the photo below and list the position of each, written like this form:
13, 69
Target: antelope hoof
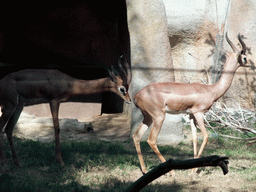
62, 164
3, 163
60, 161
171, 173
144, 171
17, 163
195, 170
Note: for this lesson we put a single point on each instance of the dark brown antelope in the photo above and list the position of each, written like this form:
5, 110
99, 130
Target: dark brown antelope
55, 87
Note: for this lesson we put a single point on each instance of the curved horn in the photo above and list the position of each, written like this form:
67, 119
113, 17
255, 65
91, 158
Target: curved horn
128, 70
242, 43
121, 65
230, 43
125, 68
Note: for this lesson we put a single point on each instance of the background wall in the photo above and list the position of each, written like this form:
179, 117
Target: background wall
151, 59
196, 29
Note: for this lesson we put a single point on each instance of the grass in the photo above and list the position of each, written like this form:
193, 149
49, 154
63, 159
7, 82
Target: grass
39, 171
100, 165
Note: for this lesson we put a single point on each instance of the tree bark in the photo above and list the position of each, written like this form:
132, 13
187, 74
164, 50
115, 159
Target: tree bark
178, 164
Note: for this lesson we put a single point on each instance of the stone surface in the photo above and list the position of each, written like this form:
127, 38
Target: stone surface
195, 30
80, 111
110, 127
151, 58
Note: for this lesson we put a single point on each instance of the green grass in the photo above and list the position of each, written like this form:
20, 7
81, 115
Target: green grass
91, 153
97, 165
232, 147
40, 172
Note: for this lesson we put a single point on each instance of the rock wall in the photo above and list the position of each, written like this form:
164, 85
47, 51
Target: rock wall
196, 29
151, 59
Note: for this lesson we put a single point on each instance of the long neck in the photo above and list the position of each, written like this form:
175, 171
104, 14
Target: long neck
91, 86
230, 67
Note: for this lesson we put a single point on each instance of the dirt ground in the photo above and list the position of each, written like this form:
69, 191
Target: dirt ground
116, 127
110, 127
208, 180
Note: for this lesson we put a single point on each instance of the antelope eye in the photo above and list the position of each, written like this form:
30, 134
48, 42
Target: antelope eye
122, 90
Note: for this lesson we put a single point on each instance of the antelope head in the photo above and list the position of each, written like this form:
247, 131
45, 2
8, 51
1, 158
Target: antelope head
122, 79
241, 55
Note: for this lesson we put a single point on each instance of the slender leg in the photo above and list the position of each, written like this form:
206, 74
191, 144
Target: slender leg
200, 121
152, 139
194, 137
194, 133
54, 105
9, 129
137, 137
7, 111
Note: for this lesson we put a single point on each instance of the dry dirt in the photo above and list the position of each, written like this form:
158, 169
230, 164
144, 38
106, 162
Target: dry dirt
112, 127
116, 127
209, 180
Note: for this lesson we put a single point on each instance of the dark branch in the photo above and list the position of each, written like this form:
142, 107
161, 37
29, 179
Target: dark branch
178, 164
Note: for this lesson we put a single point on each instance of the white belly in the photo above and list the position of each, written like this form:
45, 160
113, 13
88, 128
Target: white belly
167, 110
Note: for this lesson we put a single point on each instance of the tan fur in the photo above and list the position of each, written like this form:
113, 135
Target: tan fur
159, 98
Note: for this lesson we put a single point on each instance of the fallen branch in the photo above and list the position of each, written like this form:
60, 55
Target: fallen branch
225, 125
233, 125
171, 164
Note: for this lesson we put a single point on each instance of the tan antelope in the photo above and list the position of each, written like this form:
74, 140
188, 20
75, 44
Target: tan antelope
159, 98
54, 87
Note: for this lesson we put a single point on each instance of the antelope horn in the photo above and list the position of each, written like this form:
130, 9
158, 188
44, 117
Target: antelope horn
242, 43
121, 65
231, 44
126, 69
111, 72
